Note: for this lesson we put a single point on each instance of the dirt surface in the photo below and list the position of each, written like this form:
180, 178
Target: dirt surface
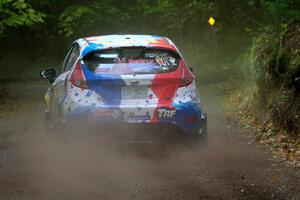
35, 165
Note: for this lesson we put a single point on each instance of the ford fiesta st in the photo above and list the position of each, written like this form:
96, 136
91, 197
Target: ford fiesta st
125, 79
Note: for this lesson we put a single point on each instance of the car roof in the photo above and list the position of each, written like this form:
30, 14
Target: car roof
94, 43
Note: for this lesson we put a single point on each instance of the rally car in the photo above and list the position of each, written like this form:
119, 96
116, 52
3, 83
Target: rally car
123, 79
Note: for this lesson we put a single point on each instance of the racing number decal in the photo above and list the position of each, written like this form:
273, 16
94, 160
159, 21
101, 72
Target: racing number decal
165, 113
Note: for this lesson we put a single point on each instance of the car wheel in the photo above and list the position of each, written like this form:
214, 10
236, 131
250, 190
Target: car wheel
200, 138
49, 124
53, 124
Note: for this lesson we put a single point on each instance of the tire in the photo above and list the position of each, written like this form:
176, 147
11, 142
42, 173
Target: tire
48, 120
51, 125
53, 122
200, 139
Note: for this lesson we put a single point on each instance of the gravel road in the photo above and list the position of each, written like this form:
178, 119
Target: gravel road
35, 165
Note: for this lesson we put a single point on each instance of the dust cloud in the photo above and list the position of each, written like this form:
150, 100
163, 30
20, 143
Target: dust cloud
63, 164
91, 164
118, 162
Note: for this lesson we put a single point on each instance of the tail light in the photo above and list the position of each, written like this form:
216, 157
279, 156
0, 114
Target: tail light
191, 119
77, 77
187, 77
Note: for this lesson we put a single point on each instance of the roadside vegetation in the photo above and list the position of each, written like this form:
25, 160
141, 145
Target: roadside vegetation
268, 102
273, 75
36, 33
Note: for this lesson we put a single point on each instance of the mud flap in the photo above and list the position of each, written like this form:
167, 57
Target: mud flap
203, 128
200, 139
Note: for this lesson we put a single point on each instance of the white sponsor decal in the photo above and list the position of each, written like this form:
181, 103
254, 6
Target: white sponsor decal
166, 113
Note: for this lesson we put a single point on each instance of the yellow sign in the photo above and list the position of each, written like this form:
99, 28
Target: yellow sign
211, 21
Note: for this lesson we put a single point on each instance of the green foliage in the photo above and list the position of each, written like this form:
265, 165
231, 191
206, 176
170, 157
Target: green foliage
176, 14
16, 13
276, 55
282, 9
77, 17
272, 72
70, 17
185, 22
263, 54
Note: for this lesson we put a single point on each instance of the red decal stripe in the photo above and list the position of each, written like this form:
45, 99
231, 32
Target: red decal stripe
164, 87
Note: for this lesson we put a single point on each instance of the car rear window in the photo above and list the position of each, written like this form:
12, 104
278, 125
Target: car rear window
125, 61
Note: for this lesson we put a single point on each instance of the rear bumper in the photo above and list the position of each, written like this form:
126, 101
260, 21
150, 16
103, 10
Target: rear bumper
187, 117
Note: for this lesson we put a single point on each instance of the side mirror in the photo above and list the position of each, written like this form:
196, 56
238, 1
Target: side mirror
49, 74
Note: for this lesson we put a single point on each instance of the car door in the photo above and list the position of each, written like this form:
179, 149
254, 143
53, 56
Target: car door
59, 85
